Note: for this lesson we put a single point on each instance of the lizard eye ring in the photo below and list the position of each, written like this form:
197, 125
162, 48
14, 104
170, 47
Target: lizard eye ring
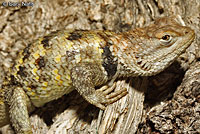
166, 38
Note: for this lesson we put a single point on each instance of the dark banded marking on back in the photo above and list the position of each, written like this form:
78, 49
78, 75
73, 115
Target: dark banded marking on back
46, 39
21, 71
40, 62
26, 52
75, 35
13, 80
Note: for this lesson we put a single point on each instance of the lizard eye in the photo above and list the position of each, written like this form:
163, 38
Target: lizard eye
166, 38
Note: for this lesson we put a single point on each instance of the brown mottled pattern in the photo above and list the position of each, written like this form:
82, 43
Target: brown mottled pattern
80, 60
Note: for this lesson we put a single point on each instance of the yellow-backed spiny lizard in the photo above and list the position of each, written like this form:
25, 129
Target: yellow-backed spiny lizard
80, 60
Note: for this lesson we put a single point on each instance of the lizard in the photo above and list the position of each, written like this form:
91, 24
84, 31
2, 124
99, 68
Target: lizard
68, 60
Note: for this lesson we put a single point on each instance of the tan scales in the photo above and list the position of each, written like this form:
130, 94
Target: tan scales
81, 60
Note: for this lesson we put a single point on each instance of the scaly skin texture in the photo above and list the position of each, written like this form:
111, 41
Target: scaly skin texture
80, 60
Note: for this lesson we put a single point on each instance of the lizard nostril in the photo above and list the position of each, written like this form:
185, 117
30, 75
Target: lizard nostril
186, 32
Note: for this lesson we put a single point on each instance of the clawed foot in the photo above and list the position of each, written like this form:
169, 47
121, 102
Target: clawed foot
104, 95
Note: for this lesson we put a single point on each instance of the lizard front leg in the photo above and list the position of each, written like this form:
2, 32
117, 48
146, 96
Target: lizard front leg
18, 103
85, 77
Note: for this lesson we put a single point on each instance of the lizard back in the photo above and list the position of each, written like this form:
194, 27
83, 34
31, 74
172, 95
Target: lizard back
43, 68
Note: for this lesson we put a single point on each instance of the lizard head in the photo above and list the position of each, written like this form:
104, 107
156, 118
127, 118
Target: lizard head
153, 48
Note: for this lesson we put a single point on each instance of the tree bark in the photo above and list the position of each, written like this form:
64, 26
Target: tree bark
166, 103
